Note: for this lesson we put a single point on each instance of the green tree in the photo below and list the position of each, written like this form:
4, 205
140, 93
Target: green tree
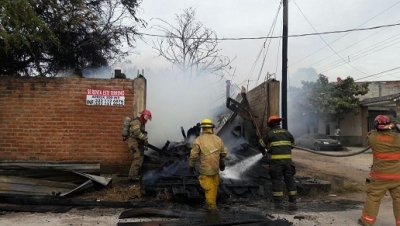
344, 99
330, 101
190, 46
44, 37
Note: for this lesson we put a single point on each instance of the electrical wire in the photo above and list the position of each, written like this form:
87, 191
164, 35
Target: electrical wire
345, 34
378, 73
347, 46
289, 36
263, 46
327, 42
279, 49
266, 52
359, 54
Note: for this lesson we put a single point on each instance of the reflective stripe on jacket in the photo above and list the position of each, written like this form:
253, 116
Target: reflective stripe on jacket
212, 152
385, 147
278, 142
136, 129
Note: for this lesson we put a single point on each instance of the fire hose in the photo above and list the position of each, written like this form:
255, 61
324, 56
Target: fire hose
397, 126
331, 155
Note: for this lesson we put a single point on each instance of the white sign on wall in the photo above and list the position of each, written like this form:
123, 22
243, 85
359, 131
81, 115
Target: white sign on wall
105, 97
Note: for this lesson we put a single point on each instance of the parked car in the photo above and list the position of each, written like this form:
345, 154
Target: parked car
318, 142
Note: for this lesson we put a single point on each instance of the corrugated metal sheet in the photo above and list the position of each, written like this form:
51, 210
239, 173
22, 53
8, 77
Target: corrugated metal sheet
389, 99
49, 178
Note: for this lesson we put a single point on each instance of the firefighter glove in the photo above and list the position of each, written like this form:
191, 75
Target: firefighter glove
222, 167
146, 142
192, 170
263, 151
397, 125
124, 138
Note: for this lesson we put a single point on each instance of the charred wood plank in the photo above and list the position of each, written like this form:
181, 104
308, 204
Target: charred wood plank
155, 223
153, 212
227, 191
35, 208
192, 223
160, 151
198, 218
60, 201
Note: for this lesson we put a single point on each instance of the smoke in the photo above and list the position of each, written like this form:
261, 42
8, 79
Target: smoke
303, 74
177, 100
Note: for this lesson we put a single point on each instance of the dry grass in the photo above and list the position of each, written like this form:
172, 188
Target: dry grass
339, 186
122, 190
119, 190
114, 193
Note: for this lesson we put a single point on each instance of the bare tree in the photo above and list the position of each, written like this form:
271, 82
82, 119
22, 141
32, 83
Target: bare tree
190, 46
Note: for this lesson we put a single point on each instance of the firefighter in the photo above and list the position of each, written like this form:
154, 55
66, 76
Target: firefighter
212, 152
279, 143
138, 143
385, 170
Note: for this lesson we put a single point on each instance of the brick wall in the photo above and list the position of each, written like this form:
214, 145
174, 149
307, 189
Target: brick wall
47, 119
264, 102
378, 89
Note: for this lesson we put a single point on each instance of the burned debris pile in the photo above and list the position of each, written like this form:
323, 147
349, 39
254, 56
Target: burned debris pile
244, 176
246, 172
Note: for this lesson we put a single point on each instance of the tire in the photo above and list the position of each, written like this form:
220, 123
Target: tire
317, 147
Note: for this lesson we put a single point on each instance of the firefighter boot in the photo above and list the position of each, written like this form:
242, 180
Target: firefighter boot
292, 206
278, 205
362, 222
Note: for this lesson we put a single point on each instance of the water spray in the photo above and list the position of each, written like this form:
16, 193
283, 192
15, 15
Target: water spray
235, 171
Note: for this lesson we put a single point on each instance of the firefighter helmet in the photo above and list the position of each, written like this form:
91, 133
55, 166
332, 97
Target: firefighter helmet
147, 113
274, 120
382, 122
206, 123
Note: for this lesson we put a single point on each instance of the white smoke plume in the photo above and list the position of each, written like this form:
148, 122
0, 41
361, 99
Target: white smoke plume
180, 100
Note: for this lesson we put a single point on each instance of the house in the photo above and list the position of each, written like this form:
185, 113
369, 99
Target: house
383, 98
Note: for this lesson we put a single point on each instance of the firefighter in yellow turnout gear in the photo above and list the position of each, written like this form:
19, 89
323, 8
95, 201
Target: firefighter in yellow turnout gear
385, 171
212, 152
137, 143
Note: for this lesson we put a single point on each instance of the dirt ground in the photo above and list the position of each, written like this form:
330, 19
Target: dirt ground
341, 205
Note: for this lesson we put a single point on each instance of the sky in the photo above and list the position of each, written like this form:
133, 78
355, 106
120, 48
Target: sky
359, 54
364, 55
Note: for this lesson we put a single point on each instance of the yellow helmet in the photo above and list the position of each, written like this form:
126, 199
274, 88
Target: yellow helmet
207, 123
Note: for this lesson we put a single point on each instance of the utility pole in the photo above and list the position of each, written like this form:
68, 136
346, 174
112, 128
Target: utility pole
284, 64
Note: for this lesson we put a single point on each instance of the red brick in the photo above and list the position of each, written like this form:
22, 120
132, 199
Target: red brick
47, 119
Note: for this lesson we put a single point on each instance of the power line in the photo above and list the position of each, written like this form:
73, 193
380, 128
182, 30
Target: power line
266, 52
378, 73
344, 48
290, 36
361, 54
326, 42
263, 46
345, 34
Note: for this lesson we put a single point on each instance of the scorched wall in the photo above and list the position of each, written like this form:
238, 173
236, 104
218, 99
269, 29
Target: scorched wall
47, 119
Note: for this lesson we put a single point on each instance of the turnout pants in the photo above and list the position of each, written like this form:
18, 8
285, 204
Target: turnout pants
283, 169
210, 183
137, 161
376, 189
